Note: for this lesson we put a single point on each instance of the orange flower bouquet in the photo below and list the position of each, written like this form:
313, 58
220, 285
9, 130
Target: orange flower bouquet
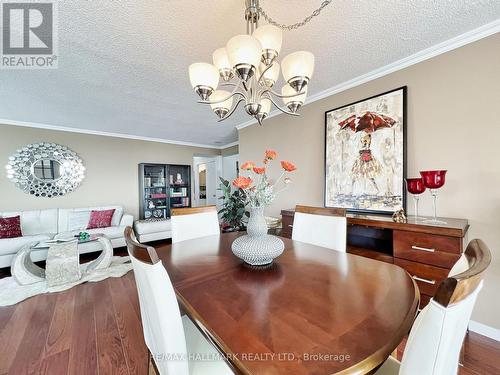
258, 247
259, 191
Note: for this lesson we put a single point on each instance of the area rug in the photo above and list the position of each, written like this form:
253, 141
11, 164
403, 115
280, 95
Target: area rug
11, 292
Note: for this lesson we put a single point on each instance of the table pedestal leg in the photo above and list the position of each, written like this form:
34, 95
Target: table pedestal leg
104, 259
23, 269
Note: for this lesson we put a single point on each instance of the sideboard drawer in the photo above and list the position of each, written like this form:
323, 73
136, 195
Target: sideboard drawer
427, 277
441, 251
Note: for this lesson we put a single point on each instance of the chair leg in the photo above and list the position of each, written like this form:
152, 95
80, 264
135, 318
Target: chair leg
461, 358
152, 369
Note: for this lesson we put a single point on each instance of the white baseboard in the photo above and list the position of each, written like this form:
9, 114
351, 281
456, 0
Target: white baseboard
484, 330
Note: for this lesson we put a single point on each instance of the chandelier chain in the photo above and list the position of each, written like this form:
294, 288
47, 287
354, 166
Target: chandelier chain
294, 26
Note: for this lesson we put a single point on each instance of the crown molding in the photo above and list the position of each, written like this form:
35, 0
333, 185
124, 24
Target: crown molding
230, 145
109, 134
428, 53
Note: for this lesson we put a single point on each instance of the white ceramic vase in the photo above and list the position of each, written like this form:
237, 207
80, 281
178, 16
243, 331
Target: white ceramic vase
257, 247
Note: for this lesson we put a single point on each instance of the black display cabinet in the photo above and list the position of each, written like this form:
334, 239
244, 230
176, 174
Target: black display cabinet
162, 187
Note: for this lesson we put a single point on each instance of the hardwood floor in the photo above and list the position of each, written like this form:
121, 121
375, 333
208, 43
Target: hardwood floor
95, 328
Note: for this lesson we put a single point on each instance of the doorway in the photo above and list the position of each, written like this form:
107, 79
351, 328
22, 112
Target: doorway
206, 177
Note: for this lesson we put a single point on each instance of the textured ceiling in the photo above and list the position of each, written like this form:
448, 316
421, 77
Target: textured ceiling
123, 64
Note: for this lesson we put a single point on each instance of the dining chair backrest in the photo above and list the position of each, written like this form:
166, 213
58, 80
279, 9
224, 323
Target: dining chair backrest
194, 222
326, 227
160, 314
435, 340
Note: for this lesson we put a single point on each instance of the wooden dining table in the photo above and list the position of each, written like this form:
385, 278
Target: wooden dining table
312, 311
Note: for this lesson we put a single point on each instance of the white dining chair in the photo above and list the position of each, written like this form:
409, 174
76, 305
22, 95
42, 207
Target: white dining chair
194, 222
175, 344
435, 340
326, 227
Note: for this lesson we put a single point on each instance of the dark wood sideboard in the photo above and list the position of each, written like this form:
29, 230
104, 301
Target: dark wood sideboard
426, 251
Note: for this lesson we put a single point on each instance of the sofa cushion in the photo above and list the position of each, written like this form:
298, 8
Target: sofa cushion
36, 221
13, 245
100, 219
10, 227
63, 225
78, 220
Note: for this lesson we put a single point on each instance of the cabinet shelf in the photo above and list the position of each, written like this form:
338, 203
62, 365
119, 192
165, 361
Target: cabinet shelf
166, 174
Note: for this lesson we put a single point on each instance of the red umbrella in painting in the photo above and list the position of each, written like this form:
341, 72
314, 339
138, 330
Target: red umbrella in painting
369, 122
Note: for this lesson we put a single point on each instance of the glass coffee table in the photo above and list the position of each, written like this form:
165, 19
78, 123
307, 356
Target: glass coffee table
62, 264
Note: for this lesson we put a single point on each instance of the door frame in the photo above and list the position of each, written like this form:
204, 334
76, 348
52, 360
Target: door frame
202, 159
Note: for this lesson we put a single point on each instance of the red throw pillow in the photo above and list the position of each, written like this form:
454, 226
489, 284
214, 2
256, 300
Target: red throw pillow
10, 227
100, 219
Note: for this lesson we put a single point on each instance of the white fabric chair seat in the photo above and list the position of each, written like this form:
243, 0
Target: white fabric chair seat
198, 345
195, 225
438, 332
177, 346
320, 230
12, 245
433, 346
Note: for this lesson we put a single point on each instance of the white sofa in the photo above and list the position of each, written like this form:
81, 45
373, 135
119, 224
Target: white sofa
152, 230
55, 223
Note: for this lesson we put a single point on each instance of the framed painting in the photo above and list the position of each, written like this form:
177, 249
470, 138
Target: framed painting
365, 154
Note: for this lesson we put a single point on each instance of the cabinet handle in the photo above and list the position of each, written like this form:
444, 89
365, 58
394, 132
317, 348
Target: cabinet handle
290, 225
423, 249
424, 280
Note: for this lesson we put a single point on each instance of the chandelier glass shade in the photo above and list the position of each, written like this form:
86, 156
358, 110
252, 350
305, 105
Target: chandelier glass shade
271, 75
221, 108
292, 101
204, 79
248, 65
265, 108
221, 62
298, 68
270, 38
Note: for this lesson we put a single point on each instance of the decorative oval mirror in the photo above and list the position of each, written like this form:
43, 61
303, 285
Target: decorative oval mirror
45, 170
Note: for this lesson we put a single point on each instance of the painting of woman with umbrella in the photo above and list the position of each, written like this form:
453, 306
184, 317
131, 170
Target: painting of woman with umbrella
365, 163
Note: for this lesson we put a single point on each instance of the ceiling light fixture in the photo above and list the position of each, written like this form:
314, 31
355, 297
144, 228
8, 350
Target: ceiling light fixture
251, 60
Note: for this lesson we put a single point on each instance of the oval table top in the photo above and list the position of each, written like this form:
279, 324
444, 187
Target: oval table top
313, 311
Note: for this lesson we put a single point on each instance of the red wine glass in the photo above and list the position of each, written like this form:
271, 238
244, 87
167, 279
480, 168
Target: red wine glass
434, 180
415, 187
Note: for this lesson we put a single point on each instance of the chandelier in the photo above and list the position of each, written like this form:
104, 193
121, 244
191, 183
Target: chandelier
249, 69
